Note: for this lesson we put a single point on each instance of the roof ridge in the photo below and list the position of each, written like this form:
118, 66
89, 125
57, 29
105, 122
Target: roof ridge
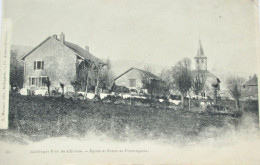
22, 58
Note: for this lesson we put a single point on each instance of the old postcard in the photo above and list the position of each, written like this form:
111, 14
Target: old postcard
129, 82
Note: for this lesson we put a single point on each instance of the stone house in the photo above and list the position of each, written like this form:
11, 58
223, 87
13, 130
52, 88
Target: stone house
133, 79
57, 60
251, 88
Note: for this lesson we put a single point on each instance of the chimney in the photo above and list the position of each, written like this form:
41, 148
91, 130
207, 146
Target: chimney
55, 36
62, 38
87, 48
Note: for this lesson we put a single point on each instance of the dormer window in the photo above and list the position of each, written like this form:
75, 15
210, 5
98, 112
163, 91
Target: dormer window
38, 65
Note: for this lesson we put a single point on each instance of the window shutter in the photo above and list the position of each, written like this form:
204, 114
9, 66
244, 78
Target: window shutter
40, 81
34, 65
36, 81
42, 65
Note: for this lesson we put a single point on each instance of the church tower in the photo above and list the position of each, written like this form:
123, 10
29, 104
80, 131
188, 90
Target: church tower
200, 59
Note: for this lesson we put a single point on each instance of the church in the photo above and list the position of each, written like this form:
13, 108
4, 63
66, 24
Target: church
201, 71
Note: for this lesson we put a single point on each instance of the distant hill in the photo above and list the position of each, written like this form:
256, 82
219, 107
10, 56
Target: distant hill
120, 66
21, 50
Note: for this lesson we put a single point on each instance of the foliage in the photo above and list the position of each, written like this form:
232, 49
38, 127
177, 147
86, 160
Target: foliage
235, 87
106, 76
16, 70
76, 83
182, 77
181, 74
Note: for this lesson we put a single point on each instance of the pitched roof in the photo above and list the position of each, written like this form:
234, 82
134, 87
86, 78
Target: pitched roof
36, 48
200, 52
252, 81
147, 73
75, 48
82, 52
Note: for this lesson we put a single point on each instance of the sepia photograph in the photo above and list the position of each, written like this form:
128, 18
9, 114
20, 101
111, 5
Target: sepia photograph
129, 82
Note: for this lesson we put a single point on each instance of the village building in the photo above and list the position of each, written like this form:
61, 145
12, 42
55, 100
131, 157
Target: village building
251, 88
201, 70
56, 60
133, 78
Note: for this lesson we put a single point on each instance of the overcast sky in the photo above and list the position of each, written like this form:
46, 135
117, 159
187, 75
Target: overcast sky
153, 31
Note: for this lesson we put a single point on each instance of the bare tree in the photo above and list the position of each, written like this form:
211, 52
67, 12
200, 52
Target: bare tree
198, 81
149, 83
76, 83
62, 89
235, 87
166, 77
85, 70
48, 84
106, 76
182, 78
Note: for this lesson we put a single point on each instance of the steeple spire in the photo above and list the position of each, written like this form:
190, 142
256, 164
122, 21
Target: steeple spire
200, 52
200, 58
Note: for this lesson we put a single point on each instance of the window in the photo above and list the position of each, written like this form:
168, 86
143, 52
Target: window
202, 61
132, 82
44, 80
198, 61
38, 81
38, 65
33, 81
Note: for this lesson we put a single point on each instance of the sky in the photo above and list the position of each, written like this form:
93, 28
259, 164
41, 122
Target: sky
146, 31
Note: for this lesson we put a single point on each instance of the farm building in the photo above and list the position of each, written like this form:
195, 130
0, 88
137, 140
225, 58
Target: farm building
251, 88
134, 78
56, 60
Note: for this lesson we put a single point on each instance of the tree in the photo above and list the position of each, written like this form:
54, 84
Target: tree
106, 76
198, 81
48, 84
166, 77
76, 83
62, 88
149, 83
182, 77
235, 87
85, 70
16, 71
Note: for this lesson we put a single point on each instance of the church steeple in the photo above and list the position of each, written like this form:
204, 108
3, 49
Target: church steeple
200, 52
200, 58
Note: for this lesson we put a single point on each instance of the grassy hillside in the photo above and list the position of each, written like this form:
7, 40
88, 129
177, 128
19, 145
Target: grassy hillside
41, 117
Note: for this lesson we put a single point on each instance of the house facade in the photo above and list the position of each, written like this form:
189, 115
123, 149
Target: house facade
133, 79
201, 69
251, 88
55, 60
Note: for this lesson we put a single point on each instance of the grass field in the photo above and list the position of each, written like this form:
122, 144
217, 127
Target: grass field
37, 118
